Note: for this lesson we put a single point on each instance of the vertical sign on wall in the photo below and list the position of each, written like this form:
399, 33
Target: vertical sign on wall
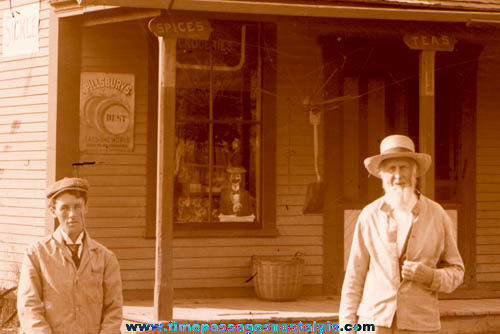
20, 30
107, 103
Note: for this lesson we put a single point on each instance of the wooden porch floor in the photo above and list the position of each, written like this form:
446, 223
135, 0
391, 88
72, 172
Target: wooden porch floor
457, 315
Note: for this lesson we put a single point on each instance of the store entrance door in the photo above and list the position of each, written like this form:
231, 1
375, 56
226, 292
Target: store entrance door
382, 77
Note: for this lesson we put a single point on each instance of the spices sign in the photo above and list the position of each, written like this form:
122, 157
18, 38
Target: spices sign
173, 27
20, 30
107, 103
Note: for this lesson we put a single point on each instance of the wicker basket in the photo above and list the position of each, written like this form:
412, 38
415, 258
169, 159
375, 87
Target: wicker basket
277, 278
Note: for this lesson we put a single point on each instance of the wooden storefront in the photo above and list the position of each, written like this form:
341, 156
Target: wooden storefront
253, 86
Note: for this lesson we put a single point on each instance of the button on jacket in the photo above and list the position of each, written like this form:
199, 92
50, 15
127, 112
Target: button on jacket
56, 297
372, 286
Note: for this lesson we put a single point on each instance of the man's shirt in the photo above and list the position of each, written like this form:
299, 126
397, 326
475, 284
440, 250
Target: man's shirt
79, 241
372, 286
399, 223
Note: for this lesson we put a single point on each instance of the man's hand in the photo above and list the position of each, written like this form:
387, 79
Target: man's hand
418, 272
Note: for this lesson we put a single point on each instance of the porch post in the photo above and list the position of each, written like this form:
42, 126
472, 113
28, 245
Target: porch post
163, 290
427, 117
428, 43
168, 28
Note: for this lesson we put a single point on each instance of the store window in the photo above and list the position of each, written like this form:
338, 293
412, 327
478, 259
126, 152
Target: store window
219, 158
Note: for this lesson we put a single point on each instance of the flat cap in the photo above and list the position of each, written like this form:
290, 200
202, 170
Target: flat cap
67, 183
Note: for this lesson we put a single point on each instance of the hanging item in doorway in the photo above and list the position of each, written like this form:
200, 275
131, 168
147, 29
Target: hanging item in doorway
107, 103
315, 195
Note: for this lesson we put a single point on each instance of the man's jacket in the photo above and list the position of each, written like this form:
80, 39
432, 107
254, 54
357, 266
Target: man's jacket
55, 297
372, 286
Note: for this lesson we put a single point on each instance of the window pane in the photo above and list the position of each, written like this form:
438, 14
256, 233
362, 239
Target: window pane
192, 104
191, 173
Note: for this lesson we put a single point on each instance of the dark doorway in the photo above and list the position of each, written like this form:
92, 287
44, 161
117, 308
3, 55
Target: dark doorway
381, 76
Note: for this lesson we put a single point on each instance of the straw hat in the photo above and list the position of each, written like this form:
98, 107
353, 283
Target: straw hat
397, 146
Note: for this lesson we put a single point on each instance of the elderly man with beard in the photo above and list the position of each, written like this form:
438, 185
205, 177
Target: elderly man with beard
404, 249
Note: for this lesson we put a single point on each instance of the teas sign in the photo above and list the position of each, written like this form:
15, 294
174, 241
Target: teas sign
20, 30
435, 42
173, 27
107, 102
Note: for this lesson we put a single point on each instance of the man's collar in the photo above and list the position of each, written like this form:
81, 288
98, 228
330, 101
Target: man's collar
387, 208
58, 236
68, 240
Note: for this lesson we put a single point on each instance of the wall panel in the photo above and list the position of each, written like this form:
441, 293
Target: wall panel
23, 147
487, 170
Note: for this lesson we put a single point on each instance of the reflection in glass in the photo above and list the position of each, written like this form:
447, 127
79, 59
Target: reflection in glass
218, 126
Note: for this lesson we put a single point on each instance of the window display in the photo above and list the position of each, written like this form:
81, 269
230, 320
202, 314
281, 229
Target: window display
218, 126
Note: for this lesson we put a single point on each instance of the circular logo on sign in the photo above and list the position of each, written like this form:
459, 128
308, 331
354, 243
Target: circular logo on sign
116, 119
109, 115
90, 109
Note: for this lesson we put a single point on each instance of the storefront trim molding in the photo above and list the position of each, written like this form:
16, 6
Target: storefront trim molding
293, 9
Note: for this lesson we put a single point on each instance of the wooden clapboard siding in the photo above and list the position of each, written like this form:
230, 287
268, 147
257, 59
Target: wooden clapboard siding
117, 197
297, 80
24, 73
12, 248
214, 283
201, 252
38, 203
23, 147
22, 82
213, 262
22, 229
207, 273
488, 169
229, 262
19, 239
30, 221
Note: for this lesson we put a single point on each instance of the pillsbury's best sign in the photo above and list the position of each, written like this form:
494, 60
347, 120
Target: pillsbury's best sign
107, 103
20, 30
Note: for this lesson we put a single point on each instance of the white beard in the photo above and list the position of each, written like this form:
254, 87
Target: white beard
400, 198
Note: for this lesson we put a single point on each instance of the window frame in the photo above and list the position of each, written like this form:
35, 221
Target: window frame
266, 225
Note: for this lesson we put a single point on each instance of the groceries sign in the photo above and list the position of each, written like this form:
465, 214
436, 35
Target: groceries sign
173, 27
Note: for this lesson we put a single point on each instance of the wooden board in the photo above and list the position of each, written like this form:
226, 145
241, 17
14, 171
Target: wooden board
22, 229
19, 82
212, 283
39, 203
18, 220
22, 212
24, 91
24, 73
